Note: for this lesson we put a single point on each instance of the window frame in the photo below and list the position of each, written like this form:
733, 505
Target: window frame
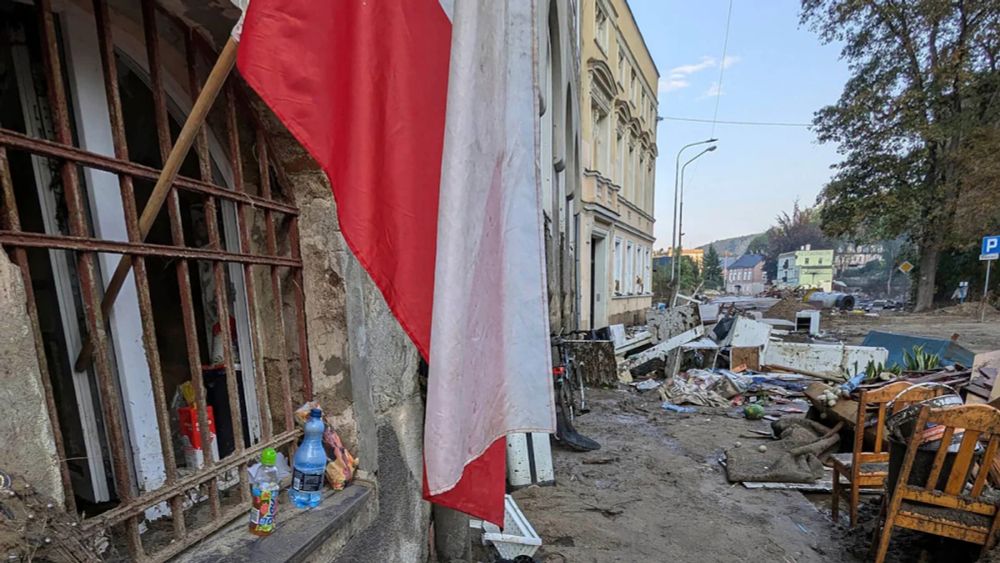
96, 159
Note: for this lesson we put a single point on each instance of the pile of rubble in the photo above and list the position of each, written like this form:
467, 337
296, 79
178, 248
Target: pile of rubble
768, 358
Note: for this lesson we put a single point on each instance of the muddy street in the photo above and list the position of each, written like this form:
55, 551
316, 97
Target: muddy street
656, 491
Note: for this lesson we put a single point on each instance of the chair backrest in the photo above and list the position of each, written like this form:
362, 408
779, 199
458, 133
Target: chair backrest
917, 393
972, 422
877, 398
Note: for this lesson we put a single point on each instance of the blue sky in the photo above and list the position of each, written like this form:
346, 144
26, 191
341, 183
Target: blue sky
775, 71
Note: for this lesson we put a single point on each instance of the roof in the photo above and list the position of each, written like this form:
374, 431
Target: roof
746, 261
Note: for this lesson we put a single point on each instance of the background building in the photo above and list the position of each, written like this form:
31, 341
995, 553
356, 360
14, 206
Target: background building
618, 90
746, 275
695, 254
806, 268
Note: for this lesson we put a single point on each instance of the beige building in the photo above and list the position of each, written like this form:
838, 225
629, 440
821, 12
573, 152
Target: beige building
618, 140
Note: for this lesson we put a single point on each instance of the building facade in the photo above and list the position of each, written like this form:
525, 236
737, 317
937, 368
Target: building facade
618, 93
247, 246
852, 256
806, 268
746, 275
697, 255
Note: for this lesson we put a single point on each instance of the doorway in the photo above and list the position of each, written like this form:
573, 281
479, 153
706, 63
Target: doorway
598, 279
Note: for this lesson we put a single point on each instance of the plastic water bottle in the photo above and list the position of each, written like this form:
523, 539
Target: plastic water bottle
265, 489
308, 469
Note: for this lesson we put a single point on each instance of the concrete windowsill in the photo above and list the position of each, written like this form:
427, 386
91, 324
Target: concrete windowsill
297, 535
633, 296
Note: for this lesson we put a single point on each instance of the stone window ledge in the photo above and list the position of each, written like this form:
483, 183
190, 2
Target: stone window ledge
298, 534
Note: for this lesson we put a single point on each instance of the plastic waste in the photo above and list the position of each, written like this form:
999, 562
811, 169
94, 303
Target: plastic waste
265, 488
309, 464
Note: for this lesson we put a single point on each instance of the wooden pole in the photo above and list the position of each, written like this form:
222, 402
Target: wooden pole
195, 120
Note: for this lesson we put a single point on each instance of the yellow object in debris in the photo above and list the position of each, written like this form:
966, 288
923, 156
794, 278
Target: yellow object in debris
187, 390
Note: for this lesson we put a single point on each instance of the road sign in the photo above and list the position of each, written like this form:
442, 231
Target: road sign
991, 245
905, 267
993, 256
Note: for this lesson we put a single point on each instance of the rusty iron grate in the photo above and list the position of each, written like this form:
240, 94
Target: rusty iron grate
280, 223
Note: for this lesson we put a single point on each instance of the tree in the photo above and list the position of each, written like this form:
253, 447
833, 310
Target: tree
712, 269
792, 232
917, 113
689, 276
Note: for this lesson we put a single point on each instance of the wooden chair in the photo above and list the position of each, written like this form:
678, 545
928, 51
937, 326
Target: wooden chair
952, 510
868, 469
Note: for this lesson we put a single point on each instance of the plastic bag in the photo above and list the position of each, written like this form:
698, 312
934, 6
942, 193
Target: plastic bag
341, 464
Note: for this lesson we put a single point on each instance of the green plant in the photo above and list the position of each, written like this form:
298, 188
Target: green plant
920, 360
875, 370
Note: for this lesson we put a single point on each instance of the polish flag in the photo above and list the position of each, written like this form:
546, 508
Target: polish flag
424, 116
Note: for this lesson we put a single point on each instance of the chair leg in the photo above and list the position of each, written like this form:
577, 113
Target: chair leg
835, 508
885, 535
855, 500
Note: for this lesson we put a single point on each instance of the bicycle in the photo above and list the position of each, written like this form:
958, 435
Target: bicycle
569, 378
571, 398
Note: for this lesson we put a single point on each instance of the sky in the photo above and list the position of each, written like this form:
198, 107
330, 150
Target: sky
775, 71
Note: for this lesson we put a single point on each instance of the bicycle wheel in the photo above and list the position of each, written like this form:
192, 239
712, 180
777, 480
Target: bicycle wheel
580, 403
566, 398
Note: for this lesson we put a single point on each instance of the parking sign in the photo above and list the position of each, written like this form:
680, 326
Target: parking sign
991, 248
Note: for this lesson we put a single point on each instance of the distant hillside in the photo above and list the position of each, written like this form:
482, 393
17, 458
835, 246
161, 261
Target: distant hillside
735, 246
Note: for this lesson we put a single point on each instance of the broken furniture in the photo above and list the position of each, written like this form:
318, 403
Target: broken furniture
946, 503
517, 538
869, 469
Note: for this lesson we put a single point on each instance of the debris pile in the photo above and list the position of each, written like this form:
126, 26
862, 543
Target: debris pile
34, 528
756, 358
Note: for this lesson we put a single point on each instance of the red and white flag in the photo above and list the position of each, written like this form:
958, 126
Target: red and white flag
424, 115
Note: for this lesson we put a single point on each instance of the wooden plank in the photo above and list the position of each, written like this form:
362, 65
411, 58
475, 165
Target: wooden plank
960, 467
937, 498
750, 357
935, 474
989, 458
956, 531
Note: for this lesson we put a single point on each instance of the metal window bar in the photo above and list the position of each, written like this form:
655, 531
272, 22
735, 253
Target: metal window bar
133, 503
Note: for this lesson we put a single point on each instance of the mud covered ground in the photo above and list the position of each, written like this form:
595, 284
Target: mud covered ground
943, 323
656, 492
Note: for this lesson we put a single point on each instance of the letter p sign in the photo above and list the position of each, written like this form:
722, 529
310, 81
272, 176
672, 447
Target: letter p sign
991, 245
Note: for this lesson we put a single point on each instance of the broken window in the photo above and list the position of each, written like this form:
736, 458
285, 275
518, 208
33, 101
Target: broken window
88, 114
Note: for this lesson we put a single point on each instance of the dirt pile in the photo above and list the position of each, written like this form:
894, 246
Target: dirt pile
969, 309
786, 309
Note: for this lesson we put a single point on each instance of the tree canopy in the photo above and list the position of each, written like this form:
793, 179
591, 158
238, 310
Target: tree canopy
712, 269
916, 125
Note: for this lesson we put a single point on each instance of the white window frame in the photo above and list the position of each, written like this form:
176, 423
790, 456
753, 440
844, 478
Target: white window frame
629, 264
619, 267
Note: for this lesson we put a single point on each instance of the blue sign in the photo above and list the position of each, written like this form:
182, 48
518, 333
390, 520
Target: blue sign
991, 245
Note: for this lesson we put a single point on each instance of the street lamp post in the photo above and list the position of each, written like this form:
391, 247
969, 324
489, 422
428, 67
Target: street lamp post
677, 174
680, 213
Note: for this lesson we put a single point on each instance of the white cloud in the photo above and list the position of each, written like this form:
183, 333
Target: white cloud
713, 90
679, 77
684, 70
674, 82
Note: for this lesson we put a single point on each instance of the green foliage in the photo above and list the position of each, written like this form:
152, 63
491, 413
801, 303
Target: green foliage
690, 276
712, 269
874, 371
918, 360
916, 124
